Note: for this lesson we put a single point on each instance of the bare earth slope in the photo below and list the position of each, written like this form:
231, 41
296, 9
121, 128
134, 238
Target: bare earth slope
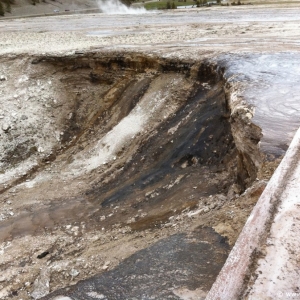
129, 141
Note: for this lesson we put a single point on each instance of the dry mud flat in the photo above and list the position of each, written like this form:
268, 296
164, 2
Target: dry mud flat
139, 167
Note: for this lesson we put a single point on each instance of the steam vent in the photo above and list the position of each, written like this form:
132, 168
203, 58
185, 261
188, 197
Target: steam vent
149, 154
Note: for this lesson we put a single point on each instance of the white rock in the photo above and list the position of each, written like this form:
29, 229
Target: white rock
196, 212
41, 149
74, 273
5, 127
75, 228
41, 285
184, 165
105, 267
249, 115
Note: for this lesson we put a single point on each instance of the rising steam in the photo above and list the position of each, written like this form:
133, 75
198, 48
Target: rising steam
116, 7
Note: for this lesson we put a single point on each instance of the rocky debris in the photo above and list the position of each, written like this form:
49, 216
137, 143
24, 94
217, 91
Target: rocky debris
234, 191
131, 220
106, 265
2, 78
184, 165
220, 199
41, 285
74, 273
244, 112
151, 194
60, 266
6, 127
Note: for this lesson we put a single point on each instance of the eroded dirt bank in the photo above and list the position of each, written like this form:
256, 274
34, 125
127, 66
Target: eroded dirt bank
106, 153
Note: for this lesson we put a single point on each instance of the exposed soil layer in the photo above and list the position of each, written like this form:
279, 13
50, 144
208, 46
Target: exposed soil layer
104, 154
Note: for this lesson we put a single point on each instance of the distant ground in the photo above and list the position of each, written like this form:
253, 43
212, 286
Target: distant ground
161, 4
24, 8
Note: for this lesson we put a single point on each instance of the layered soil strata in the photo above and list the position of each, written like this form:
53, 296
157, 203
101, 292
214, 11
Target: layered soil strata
102, 150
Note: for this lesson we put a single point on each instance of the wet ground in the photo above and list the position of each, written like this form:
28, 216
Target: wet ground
156, 151
275, 95
196, 139
143, 146
222, 29
182, 264
106, 23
